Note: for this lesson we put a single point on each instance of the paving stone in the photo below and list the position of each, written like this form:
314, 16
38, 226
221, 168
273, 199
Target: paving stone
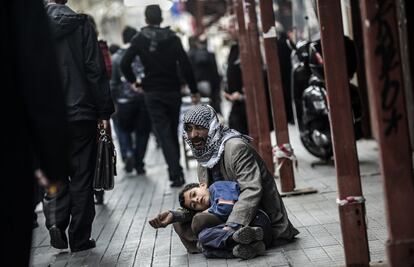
124, 237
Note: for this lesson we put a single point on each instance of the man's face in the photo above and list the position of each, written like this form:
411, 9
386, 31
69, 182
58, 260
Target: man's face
197, 135
197, 198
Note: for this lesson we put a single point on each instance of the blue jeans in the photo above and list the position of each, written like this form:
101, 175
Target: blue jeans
216, 242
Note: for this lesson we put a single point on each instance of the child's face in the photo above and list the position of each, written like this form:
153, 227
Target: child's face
197, 198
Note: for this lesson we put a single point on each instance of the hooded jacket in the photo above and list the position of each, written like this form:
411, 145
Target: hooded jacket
85, 84
163, 57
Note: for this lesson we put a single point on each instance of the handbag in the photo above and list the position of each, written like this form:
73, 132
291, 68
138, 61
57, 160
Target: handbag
105, 168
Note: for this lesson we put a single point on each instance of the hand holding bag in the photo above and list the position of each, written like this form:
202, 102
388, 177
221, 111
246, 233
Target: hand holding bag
105, 169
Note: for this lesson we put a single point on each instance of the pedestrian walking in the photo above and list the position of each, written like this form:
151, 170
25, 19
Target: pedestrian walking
33, 122
88, 103
161, 52
131, 116
205, 71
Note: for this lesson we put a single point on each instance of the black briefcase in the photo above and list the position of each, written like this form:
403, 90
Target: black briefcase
105, 169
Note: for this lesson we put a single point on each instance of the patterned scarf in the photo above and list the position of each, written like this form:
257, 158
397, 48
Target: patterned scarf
206, 117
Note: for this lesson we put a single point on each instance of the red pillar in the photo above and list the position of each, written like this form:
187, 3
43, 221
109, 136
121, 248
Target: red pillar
287, 179
247, 73
351, 213
265, 146
384, 73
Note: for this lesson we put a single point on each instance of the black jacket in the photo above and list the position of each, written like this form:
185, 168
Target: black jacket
85, 84
161, 52
120, 88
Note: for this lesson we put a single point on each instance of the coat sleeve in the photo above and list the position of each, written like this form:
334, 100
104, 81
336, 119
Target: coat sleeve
96, 73
246, 169
116, 75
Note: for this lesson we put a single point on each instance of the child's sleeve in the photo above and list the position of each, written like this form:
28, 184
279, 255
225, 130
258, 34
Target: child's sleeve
221, 210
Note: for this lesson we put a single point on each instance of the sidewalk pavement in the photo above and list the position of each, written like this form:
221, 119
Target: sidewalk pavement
124, 237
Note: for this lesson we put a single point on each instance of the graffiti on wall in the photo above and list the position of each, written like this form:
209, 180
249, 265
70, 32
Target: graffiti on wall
387, 49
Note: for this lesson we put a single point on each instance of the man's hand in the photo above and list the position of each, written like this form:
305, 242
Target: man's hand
195, 98
227, 228
137, 87
106, 125
235, 96
162, 220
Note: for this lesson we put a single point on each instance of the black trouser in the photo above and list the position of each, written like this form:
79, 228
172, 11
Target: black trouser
164, 111
238, 118
74, 201
133, 118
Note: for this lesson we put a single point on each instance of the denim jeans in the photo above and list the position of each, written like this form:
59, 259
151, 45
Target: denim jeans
215, 241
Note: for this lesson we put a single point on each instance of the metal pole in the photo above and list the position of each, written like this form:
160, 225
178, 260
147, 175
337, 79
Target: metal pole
262, 114
287, 179
385, 79
351, 202
247, 73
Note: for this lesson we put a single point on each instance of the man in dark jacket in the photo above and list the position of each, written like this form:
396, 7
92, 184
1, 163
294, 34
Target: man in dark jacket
32, 122
88, 101
160, 51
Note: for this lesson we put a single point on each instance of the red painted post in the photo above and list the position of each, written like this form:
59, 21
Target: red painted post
287, 179
385, 79
247, 73
351, 204
199, 17
265, 146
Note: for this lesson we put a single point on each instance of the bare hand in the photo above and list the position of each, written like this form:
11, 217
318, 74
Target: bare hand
195, 98
41, 178
227, 228
162, 220
137, 87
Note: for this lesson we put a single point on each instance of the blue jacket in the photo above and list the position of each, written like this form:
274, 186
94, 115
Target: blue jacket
223, 190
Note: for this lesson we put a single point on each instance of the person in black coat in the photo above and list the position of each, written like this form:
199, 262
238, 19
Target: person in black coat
33, 121
88, 103
205, 71
161, 54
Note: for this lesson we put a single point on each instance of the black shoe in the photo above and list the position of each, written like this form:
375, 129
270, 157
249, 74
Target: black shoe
178, 182
248, 234
129, 164
58, 238
141, 171
249, 251
90, 244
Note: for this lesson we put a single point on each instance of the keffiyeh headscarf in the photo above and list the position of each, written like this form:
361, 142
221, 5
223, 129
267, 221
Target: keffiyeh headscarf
205, 116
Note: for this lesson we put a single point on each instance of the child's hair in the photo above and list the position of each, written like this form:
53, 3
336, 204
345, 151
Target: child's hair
185, 189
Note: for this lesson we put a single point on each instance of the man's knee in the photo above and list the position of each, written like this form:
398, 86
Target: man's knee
204, 220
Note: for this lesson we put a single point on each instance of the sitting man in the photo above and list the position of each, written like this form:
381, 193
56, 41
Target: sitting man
217, 242
225, 154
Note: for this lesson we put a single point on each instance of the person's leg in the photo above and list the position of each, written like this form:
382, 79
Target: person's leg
176, 171
127, 115
189, 231
142, 132
82, 158
124, 138
187, 236
158, 105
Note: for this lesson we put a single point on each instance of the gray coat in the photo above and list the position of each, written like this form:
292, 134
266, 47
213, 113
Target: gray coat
241, 163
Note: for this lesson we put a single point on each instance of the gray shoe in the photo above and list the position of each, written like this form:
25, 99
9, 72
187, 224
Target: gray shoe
248, 234
249, 251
